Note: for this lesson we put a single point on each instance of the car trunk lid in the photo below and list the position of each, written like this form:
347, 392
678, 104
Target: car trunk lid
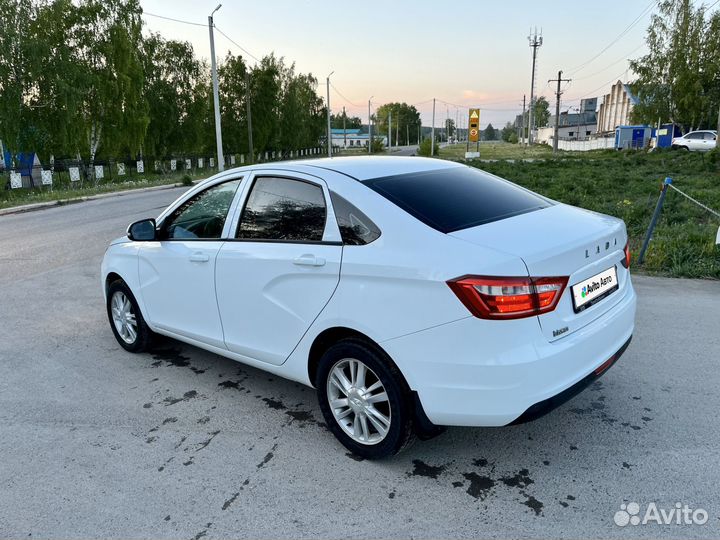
561, 240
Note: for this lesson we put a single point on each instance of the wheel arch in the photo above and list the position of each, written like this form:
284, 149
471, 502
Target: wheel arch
328, 337
111, 278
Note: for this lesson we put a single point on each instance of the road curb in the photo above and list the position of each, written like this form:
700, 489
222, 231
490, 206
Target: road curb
74, 200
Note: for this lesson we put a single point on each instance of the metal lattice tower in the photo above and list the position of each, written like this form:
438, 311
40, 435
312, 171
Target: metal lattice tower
536, 42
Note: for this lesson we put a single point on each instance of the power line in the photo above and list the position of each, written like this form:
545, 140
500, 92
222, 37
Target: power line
243, 49
339, 93
172, 19
627, 29
624, 57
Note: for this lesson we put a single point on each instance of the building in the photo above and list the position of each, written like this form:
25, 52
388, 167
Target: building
615, 108
577, 126
352, 138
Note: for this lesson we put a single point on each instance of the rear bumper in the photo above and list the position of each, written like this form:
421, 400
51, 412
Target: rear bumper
475, 372
550, 404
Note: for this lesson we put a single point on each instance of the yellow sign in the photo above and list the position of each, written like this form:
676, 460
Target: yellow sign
474, 125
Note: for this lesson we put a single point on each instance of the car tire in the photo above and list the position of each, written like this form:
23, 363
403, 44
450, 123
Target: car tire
126, 320
355, 410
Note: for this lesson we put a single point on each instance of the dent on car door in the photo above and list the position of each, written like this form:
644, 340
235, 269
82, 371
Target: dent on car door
278, 274
177, 272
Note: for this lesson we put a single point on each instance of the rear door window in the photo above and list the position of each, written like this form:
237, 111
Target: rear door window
283, 209
457, 198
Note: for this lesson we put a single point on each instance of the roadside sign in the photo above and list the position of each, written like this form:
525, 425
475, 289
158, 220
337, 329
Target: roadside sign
474, 125
15, 180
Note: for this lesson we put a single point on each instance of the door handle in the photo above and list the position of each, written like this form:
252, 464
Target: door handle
199, 256
309, 260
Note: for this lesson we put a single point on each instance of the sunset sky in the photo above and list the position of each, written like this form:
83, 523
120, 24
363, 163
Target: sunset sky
463, 53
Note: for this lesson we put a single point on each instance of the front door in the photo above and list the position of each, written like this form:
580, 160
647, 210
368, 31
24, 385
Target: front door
281, 270
177, 273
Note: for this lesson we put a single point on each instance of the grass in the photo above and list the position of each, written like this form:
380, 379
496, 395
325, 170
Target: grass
627, 185
63, 189
499, 150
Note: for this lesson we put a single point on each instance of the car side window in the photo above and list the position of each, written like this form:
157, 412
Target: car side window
356, 228
202, 216
709, 136
694, 136
283, 209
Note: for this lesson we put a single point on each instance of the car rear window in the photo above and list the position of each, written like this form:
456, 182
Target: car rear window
456, 198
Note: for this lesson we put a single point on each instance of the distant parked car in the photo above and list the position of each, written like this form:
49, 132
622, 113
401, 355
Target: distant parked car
697, 141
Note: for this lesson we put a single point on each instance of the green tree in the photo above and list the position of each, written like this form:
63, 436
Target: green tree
171, 73
489, 133
449, 127
351, 122
541, 112
679, 78
405, 119
507, 132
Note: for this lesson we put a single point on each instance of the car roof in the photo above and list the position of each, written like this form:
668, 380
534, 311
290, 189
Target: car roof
356, 167
368, 167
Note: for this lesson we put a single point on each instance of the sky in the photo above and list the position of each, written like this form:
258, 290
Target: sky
463, 53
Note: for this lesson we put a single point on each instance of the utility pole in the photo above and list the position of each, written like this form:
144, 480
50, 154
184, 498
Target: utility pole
407, 134
216, 94
522, 123
558, 93
369, 128
248, 97
717, 138
329, 138
432, 133
535, 42
344, 129
390, 130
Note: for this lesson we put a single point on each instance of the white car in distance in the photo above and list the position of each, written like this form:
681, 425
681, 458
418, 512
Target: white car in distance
411, 293
696, 141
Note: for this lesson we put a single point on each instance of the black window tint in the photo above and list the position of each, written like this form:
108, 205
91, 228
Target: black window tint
694, 136
356, 228
283, 209
456, 198
202, 216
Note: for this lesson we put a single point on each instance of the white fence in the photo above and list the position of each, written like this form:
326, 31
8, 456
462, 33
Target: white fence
590, 144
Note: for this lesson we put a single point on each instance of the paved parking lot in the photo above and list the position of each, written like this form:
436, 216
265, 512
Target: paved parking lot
181, 443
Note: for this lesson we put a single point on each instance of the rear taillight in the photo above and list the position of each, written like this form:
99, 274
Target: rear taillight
626, 260
508, 297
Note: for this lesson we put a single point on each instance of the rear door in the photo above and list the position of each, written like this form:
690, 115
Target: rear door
282, 267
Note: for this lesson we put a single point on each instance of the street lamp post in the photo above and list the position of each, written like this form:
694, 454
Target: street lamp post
369, 127
329, 139
216, 96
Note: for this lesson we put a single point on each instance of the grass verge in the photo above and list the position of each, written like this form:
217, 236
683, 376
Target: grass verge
627, 185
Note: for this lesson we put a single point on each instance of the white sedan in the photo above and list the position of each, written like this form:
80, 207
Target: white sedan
411, 293
696, 141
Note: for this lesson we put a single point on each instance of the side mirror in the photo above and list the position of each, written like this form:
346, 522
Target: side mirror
142, 231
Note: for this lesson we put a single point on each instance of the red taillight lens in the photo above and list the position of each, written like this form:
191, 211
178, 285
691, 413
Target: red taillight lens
626, 260
508, 297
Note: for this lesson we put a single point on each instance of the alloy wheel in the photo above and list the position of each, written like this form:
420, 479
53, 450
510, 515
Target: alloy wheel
123, 316
358, 401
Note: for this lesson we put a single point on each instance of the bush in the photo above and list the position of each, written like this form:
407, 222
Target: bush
425, 147
513, 138
377, 145
187, 180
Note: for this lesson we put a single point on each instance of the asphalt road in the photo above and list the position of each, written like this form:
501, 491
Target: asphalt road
96, 442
